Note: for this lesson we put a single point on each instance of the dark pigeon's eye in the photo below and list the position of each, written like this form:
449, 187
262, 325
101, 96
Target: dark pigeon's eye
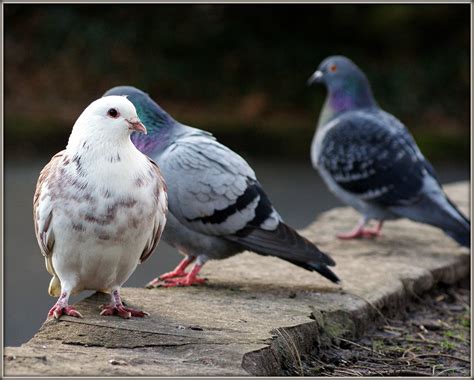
113, 113
333, 68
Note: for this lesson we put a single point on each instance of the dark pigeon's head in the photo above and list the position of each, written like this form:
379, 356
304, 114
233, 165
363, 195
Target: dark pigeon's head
344, 81
337, 70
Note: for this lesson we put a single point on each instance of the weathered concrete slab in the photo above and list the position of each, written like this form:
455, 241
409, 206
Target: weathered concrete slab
257, 315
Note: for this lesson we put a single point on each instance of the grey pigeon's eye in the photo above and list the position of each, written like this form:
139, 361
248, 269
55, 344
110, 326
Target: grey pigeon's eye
113, 113
333, 68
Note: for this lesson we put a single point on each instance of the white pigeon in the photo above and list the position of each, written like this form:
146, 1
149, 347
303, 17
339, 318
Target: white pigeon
99, 208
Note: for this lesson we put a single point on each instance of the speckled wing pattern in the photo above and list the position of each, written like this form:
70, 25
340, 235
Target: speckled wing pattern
43, 213
160, 218
373, 156
215, 190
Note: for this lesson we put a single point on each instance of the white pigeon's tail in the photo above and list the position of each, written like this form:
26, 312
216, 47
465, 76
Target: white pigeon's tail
54, 289
285, 243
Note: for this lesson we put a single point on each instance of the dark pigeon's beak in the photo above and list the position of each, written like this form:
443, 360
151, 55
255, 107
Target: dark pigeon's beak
315, 78
136, 125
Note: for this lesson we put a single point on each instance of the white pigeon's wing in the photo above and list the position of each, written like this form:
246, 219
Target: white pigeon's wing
215, 191
159, 221
43, 206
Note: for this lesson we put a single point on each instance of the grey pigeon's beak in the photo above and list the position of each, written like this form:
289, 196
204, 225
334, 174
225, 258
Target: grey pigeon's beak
136, 125
315, 78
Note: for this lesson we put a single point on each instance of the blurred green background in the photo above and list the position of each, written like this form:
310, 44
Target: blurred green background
238, 71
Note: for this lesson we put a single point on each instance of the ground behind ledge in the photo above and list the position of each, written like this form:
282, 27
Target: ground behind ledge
257, 315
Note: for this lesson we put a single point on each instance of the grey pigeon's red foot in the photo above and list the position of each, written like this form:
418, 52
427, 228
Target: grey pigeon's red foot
179, 271
116, 307
360, 232
58, 310
190, 279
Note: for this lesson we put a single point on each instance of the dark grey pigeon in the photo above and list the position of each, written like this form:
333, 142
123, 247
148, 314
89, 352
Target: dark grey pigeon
217, 207
369, 160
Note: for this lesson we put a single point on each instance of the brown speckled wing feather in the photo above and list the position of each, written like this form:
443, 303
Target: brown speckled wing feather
160, 194
42, 230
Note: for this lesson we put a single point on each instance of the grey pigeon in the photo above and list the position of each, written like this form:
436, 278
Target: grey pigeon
99, 207
370, 161
217, 208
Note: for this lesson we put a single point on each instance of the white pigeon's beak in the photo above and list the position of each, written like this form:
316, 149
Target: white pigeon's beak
315, 78
136, 125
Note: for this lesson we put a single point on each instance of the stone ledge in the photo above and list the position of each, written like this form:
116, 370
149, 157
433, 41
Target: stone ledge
257, 315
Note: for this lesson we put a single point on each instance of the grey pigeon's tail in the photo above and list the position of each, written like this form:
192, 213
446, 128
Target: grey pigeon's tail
285, 243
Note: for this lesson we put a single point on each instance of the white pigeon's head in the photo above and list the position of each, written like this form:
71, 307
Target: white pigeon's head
111, 118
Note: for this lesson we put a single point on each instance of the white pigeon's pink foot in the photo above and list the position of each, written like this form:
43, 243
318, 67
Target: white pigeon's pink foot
62, 308
122, 311
360, 232
116, 307
58, 310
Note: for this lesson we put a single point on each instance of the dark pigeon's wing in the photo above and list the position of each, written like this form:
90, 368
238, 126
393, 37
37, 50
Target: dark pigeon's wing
373, 156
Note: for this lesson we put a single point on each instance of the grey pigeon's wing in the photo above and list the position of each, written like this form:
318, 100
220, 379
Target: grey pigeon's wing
159, 221
43, 206
373, 156
215, 191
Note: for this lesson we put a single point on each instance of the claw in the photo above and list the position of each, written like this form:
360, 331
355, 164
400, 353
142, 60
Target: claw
58, 310
183, 281
122, 311
360, 232
155, 283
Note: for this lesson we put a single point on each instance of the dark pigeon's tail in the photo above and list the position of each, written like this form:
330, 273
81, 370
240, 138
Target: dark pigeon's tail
462, 234
439, 211
285, 243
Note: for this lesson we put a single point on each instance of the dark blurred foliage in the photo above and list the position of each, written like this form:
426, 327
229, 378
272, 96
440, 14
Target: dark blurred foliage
239, 71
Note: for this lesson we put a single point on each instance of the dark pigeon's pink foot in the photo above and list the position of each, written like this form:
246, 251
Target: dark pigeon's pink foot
361, 232
122, 311
58, 310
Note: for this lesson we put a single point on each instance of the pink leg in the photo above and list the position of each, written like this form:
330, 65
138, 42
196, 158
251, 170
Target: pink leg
179, 271
190, 279
62, 308
360, 232
116, 307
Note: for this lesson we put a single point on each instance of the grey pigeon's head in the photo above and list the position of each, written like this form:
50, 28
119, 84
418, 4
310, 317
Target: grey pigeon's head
158, 122
347, 85
139, 98
154, 117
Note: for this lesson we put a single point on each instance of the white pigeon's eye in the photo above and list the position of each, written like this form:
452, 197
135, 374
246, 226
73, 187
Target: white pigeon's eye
113, 113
